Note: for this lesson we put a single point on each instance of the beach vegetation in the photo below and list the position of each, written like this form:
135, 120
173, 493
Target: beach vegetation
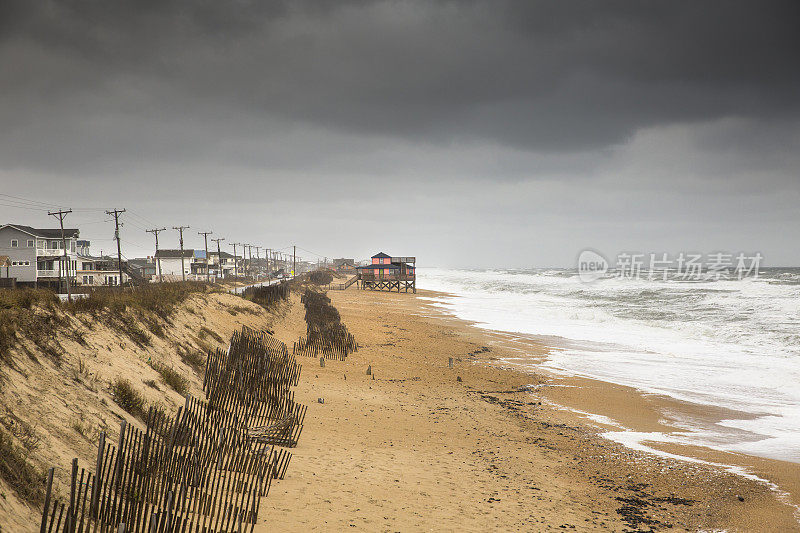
172, 377
128, 398
17, 471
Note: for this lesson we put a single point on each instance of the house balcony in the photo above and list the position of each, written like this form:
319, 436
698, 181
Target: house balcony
52, 273
386, 277
52, 252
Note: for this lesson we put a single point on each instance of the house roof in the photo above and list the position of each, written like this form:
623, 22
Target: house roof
224, 255
44, 233
175, 254
381, 254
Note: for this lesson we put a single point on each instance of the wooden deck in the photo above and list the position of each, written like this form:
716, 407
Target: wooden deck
398, 282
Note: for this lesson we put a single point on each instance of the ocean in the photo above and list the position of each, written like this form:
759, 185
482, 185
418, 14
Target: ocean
730, 343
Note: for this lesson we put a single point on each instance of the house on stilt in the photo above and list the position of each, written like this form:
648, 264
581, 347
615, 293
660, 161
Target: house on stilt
387, 273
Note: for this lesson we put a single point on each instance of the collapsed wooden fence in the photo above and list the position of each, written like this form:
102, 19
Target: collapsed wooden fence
269, 295
204, 469
325, 333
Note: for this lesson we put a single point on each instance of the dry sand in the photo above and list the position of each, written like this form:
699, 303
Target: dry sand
414, 449
70, 402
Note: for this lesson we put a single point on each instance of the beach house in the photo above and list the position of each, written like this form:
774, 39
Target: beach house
36, 255
174, 265
221, 264
388, 273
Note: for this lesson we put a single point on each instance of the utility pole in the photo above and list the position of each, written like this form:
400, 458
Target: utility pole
248, 264
61, 214
258, 259
235, 261
183, 267
156, 231
294, 260
117, 213
205, 235
219, 255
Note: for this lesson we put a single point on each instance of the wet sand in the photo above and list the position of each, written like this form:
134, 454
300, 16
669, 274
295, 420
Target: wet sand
411, 448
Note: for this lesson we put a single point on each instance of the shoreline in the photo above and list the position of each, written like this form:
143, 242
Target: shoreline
410, 447
650, 420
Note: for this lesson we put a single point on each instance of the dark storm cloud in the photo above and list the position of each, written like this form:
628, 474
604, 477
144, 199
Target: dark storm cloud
516, 127
537, 76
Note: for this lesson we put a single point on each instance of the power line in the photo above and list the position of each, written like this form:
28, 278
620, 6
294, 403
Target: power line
26, 200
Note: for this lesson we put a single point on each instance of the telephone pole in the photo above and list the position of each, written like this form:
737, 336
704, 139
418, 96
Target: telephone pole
258, 259
156, 231
205, 235
235, 261
248, 264
219, 256
61, 214
117, 213
183, 267
294, 260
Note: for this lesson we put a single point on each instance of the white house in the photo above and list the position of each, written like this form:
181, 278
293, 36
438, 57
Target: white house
37, 255
171, 264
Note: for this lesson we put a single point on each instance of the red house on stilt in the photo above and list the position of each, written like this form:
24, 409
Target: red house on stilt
389, 273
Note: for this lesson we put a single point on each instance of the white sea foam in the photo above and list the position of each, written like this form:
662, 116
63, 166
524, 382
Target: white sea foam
728, 343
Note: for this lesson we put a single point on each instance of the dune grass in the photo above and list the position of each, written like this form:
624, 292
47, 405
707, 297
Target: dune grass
172, 377
15, 469
128, 398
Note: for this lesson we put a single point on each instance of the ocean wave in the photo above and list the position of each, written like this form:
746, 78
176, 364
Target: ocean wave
726, 342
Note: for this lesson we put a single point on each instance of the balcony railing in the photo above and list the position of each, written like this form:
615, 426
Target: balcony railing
386, 277
52, 273
52, 252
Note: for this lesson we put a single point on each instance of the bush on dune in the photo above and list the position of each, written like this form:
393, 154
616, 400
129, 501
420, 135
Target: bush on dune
161, 299
128, 398
172, 377
22, 477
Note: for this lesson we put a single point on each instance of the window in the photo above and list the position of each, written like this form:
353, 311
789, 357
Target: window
54, 245
14, 243
85, 280
41, 244
30, 243
87, 266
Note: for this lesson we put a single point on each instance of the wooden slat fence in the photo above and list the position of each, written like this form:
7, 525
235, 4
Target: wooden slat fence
269, 295
204, 469
325, 334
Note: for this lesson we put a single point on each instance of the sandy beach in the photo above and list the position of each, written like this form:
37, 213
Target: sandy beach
412, 447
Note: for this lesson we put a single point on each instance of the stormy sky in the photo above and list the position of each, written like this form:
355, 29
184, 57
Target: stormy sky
467, 133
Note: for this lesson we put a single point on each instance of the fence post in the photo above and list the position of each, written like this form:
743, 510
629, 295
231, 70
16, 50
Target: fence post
43, 528
97, 476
